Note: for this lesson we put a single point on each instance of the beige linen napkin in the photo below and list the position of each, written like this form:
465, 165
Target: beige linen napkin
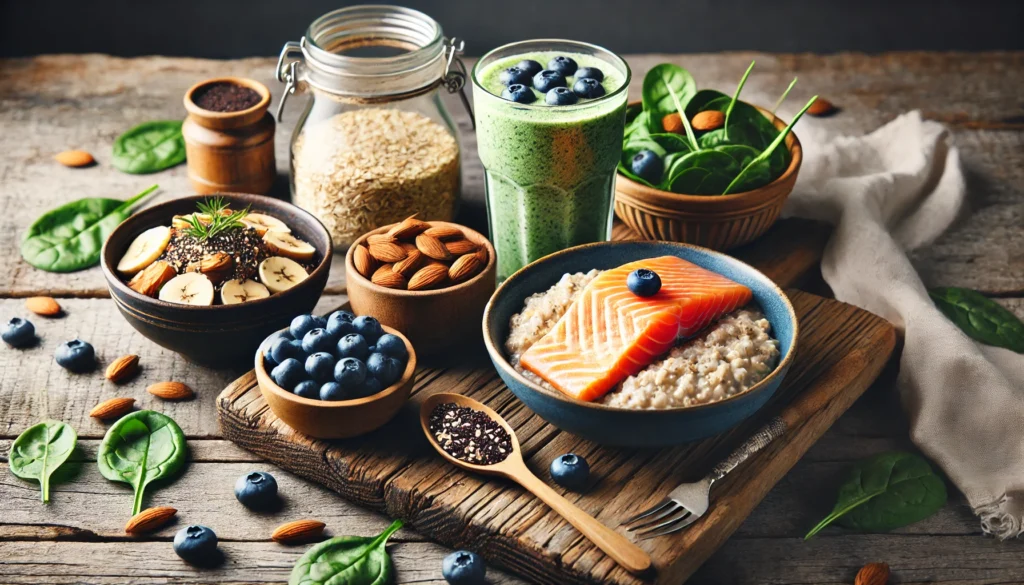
889, 192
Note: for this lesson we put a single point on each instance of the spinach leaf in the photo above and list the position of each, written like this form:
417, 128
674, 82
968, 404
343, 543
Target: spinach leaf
980, 317
782, 98
150, 147
741, 153
141, 447
659, 82
754, 175
40, 450
736, 97
747, 125
706, 172
71, 236
682, 116
885, 492
347, 560
638, 126
625, 170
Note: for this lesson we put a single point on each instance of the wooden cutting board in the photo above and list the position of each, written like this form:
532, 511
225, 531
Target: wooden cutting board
394, 470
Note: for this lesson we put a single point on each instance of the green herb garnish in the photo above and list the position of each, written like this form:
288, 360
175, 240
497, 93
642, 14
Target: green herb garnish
218, 221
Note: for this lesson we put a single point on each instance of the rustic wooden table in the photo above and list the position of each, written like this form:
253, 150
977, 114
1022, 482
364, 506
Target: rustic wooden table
50, 104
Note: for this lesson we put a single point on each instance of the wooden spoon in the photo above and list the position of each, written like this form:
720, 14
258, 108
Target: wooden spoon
618, 547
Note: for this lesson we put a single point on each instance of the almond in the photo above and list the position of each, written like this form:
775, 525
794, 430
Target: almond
170, 391
821, 107
408, 246
432, 247
364, 263
444, 232
873, 574
708, 120
387, 252
123, 368
152, 277
149, 520
408, 228
673, 123
216, 266
460, 247
380, 239
75, 158
464, 267
44, 306
428, 277
388, 278
298, 531
113, 408
482, 255
408, 266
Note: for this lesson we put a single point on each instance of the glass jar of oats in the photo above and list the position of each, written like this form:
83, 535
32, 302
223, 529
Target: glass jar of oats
375, 143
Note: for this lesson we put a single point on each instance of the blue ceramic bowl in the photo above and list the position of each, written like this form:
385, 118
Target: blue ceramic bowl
608, 425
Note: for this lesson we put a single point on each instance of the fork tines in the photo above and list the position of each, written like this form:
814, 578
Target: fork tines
663, 518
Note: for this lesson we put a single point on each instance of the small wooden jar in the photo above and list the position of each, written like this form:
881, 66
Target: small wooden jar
230, 151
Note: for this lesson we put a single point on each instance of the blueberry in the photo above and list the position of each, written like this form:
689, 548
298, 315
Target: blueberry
334, 391
195, 544
76, 356
519, 93
320, 366
283, 349
643, 282
588, 88
391, 345
302, 325
316, 340
547, 80
269, 342
352, 345
19, 333
307, 389
288, 374
340, 323
564, 65
590, 73
648, 166
530, 66
463, 567
570, 471
350, 372
256, 490
560, 96
515, 76
369, 328
370, 386
385, 368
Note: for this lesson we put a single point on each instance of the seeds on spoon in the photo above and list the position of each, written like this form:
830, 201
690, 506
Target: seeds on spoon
469, 435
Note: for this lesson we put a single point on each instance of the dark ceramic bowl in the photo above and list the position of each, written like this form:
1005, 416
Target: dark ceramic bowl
218, 335
609, 425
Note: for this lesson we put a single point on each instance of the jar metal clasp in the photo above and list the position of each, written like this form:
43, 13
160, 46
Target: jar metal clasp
287, 73
455, 74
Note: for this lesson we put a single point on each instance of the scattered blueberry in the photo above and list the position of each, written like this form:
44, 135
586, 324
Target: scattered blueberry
288, 374
317, 340
334, 391
283, 349
515, 76
350, 372
256, 490
463, 567
648, 166
643, 282
385, 368
76, 356
590, 73
570, 471
530, 66
588, 88
369, 328
372, 349
269, 342
340, 323
195, 544
320, 366
352, 345
302, 325
391, 345
370, 386
564, 65
560, 96
307, 389
19, 332
547, 80
519, 93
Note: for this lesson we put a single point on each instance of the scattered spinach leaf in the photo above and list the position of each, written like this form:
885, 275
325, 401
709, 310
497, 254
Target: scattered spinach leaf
150, 147
753, 175
656, 96
347, 560
40, 450
140, 448
71, 236
885, 492
980, 317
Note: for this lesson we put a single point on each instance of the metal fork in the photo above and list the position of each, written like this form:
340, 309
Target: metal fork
688, 502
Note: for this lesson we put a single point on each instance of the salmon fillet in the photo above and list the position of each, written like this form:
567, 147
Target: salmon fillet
609, 333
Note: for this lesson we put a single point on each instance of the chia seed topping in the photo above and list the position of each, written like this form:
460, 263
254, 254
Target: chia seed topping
244, 245
469, 435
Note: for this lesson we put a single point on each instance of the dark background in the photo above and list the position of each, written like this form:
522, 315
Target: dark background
241, 28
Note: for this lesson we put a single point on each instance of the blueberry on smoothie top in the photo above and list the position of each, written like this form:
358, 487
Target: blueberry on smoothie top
588, 88
530, 66
519, 94
564, 65
560, 96
648, 166
547, 80
590, 73
513, 76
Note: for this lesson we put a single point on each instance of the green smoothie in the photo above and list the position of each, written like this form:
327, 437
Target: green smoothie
549, 169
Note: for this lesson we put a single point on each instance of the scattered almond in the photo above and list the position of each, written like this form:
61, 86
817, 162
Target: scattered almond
45, 306
873, 574
387, 252
363, 261
152, 277
113, 408
123, 368
673, 123
75, 158
821, 107
380, 239
385, 276
444, 232
410, 264
460, 247
464, 267
428, 277
409, 227
298, 531
170, 391
432, 247
708, 120
149, 520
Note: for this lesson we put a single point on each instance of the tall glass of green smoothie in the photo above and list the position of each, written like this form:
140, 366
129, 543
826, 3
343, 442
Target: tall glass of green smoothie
549, 122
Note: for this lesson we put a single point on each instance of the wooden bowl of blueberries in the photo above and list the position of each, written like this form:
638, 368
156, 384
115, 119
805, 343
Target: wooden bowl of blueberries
337, 376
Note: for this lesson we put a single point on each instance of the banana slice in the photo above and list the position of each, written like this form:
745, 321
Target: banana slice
280, 274
146, 248
264, 223
235, 291
288, 246
191, 288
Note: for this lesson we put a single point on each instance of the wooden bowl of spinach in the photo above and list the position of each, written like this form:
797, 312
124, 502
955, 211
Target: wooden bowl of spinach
718, 188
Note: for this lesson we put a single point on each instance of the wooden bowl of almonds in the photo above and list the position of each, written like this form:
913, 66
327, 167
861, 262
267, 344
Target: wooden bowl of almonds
428, 279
